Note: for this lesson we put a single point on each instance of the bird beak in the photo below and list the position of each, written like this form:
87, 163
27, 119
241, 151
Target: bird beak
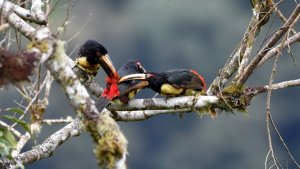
138, 86
138, 76
107, 65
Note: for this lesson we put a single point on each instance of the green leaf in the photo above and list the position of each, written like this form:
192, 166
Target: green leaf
25, 125
15, 110
7, 143
8, 135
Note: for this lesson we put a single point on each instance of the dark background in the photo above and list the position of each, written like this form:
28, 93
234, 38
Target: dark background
169, 34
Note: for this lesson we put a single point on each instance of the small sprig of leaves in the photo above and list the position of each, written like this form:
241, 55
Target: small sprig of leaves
7, 138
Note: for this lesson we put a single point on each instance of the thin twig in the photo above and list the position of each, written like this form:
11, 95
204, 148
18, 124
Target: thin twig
31, 102
63, 27
61, 120
266, 159
268, 110
276, 49
282, 141
277, 86
79, 31
14, 131
280, 15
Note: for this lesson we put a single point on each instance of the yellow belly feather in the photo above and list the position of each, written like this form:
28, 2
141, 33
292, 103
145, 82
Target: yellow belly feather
167, 89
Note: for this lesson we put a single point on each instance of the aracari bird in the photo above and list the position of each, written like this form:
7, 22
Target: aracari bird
92, 55
128, 89
177, 82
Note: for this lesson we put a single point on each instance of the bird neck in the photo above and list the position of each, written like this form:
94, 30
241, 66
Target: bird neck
201, 79
155, 82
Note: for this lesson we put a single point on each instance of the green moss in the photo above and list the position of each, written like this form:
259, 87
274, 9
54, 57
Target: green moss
234, 89
108, 151
204, 111
41, 45
60, 54
235, 98
110, 142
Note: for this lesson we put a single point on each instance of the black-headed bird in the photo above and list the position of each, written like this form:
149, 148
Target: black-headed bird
92, 55
128, 89
177, 82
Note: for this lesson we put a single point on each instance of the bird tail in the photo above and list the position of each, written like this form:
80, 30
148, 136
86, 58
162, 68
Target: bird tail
101, 103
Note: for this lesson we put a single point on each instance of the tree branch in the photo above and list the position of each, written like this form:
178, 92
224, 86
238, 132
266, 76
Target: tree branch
142, 109
47, 148
174, 103
36, 14
102, 127
276, 86
240, 56
111, 144
295, 38
250, 68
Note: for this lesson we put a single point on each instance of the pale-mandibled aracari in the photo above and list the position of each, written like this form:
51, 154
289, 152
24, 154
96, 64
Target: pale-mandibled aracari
128, 89
92, 55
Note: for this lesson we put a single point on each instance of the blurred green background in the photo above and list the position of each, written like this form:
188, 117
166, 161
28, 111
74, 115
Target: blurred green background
169, 34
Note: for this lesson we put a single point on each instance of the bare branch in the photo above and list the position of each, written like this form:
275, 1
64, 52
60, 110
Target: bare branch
145, 114
240, 56
18, 23
48, 146
282, 141
174, 103
268, 107
250, 68
280, 15
61, 120
295, 38
3, 27
21, 143
36, 15
285, 84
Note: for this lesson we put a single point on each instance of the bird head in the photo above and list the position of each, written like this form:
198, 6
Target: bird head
131, 67
95, 53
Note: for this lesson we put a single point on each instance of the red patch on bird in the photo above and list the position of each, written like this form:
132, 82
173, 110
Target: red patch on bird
200, 77
112, 89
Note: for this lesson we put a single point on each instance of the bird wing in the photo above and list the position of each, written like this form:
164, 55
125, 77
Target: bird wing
182, 78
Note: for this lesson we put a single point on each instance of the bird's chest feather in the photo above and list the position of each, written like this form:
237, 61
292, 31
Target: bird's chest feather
169, 90
84, 64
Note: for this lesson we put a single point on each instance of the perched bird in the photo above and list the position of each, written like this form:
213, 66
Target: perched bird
128, 89
177, 82
92, 56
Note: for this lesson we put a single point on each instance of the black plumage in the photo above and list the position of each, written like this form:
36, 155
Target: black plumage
128, 89
177, 82
92, 49
91, 56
